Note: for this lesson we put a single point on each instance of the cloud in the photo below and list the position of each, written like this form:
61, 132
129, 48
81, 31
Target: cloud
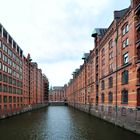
61, 72
56, 32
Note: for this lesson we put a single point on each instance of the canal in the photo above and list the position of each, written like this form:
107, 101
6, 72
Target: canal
60, 123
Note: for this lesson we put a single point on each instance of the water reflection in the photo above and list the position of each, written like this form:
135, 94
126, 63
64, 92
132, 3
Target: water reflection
60, 123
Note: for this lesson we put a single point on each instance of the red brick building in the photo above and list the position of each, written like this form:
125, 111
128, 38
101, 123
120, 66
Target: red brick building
21, 82
45, 89
107, 84
57, 94
11, 74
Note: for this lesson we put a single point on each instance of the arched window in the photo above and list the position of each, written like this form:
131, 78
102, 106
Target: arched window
125, 77
138, 76
138, 97
110, 97
110, 82
103, 85
124, 96
102, 98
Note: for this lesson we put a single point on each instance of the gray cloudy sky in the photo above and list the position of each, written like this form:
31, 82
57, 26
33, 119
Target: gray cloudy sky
57, 32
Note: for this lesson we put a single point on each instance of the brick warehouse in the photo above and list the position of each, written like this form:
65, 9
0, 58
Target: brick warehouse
107, 85
22, 85
57, 94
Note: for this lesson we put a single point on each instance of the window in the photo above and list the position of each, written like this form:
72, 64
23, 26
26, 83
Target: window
5, 78
111, 67
0, 54
0, 44
110, 82
14, 106
103, 61
138, 53
0, 66
10, 89
5, 48
9, 70
125, 58
14, 90
110, 97
5, 69
17, 99
103, 72
10, 99
5, 107
9, 52
5, 59
10, 62
21, 99
103, 51
111, 55
138, 76
0, 99
0, 87
10, 80
125, 77
103, 85
14, 99
124, 96
110, 44
5, 99
138, 97
0, 76
125, 43
102, 97
5, 88
125, 29
10, 107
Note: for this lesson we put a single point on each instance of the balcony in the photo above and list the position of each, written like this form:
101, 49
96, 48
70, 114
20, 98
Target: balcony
137, 10
138, 26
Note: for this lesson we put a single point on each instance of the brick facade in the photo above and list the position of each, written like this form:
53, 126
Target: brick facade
107, 84
57, 94
21, 82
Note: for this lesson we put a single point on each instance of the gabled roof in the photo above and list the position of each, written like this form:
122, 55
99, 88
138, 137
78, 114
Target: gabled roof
117, 15
120, 13
99, 31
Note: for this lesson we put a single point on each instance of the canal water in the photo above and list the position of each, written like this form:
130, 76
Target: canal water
61, 123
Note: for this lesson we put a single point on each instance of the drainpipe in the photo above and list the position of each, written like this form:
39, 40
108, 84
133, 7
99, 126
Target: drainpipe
29, 82
116, 41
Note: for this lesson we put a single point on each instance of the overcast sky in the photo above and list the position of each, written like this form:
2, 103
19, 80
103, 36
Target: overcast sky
57, 32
